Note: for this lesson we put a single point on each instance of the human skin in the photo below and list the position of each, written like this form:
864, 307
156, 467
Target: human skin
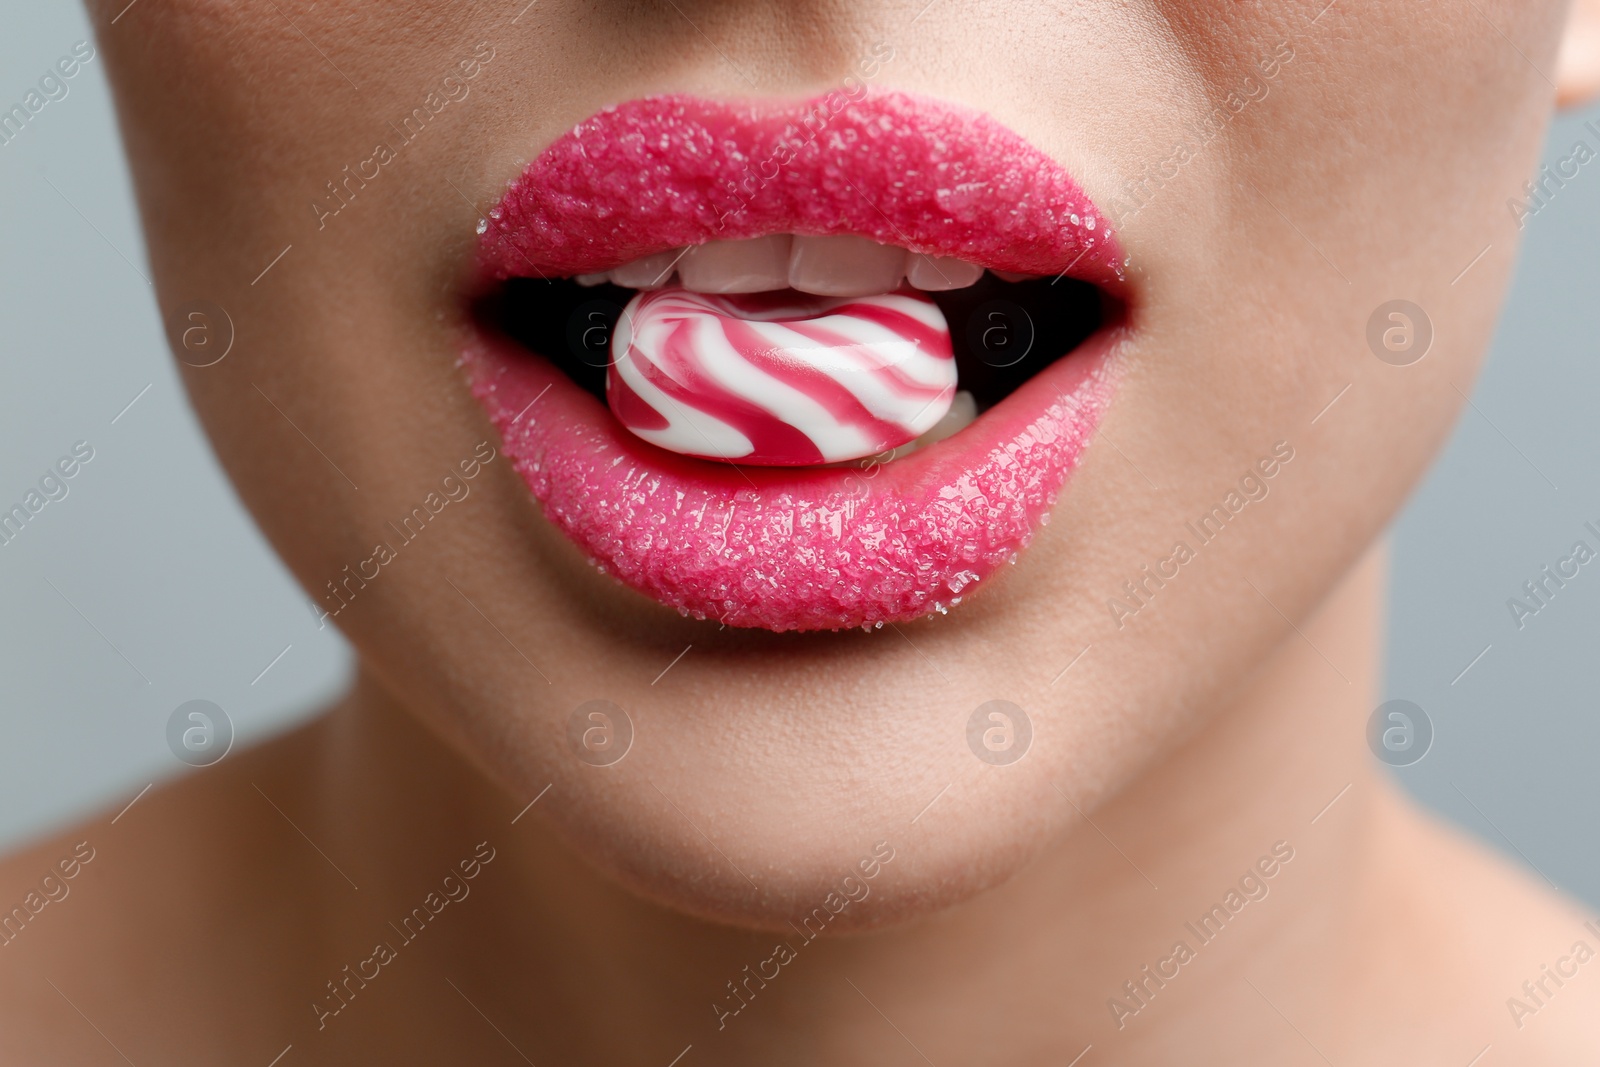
1196, 735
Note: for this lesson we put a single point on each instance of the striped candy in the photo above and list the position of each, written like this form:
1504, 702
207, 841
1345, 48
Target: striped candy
780, 378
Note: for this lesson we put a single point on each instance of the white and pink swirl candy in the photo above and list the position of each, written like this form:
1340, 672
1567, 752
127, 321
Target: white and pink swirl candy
780, 378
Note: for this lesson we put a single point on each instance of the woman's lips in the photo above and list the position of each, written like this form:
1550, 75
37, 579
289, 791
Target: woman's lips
795, 548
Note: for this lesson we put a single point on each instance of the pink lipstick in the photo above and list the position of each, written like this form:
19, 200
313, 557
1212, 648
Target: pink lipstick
900, 169
699, 478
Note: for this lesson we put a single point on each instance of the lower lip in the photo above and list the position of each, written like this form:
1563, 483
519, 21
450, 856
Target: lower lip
785, 549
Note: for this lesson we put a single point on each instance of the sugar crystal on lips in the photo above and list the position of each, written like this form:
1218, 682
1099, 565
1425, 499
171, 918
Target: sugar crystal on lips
780, 378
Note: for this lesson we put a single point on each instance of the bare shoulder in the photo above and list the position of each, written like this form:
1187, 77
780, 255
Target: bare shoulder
1508, 961
103, 922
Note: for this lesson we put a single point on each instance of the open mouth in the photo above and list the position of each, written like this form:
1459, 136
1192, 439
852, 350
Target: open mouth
796, 366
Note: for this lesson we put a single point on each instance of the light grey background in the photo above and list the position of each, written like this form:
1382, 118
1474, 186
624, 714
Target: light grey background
148, 586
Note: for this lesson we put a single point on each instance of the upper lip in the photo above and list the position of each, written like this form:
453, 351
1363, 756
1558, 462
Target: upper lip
609, 190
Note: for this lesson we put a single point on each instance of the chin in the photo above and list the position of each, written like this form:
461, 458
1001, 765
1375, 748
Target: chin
782, 869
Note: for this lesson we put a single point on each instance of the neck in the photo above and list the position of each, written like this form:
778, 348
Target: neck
1177, 907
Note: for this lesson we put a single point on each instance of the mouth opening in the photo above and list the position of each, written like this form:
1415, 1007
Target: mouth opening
1003, 330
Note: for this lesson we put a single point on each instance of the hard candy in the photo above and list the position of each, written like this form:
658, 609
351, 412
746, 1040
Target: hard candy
780, 378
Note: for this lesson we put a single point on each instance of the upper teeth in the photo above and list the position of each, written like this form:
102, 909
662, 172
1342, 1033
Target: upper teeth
842, 265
